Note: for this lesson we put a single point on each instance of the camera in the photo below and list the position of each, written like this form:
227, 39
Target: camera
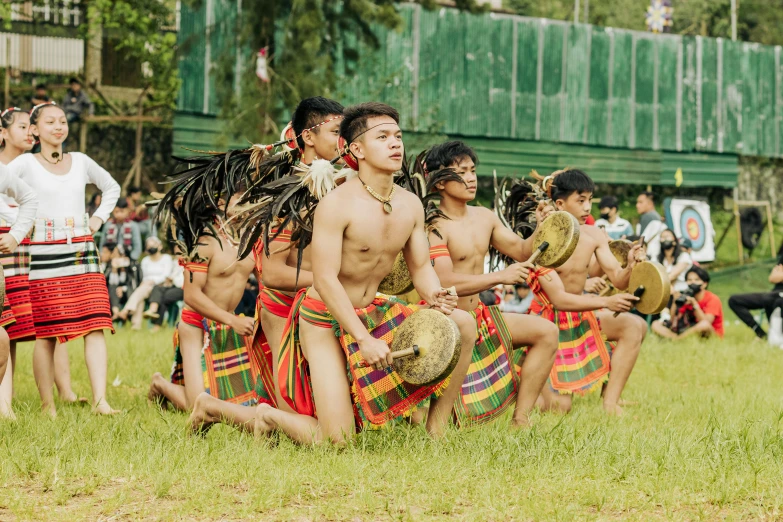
683, 297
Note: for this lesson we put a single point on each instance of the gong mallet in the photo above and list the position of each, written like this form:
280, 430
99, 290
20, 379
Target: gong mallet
636, 293
540, 250
413, 351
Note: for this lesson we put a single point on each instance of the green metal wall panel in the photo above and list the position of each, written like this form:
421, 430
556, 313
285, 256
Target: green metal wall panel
502, 76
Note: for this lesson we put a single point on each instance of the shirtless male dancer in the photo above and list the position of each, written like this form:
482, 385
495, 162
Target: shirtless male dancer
459, 246
572, 191
359, 229
214, 284
316, 123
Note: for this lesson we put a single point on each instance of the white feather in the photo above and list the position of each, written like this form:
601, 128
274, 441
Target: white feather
319, 178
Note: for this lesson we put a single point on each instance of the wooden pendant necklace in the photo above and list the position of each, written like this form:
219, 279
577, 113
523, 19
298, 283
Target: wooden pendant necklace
387, 206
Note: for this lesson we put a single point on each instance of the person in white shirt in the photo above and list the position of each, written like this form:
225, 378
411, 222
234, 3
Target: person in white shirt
166, 294
155, 268
675, 260
615, 226
650, 224
67, 289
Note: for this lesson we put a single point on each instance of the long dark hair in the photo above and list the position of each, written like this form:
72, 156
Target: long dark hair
677, 249
7, 118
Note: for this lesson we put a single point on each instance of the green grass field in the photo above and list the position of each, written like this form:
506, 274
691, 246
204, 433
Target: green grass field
704, 443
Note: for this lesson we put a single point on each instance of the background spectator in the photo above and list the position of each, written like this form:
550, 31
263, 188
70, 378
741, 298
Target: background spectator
166, 294
139, 212
742, 304
156, 267
40, 95
615, 226
118, 276
687, 246
520, 299
120, 230
697, 311
674, 260
76, 102
650, 223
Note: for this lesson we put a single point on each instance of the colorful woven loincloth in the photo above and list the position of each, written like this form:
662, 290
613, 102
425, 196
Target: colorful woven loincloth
231, 371
582, 361
492, 380
275, 302
379, 395
67, 290
16, 269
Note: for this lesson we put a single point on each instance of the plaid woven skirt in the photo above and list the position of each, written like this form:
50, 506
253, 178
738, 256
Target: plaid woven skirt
16, 269
232, 372
582, 362
379, 395
67, 290
492, 381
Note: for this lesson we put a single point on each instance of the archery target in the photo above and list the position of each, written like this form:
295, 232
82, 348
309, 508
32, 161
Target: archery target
691, 219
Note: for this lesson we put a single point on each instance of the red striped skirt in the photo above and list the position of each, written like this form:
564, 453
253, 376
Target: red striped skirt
68, 292
16, 268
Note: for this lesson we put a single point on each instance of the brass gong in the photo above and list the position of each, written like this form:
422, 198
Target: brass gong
650, 282
398, 281
437, 339
561, 230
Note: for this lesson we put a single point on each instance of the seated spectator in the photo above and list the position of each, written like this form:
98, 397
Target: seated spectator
165, 294
520, 299
615, 226
742, 304
115, 268
155, 268
674, 260
696, 311
120, 230
650, 223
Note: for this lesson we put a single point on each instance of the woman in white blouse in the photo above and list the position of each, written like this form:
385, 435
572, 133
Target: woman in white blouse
67, 289
155, 268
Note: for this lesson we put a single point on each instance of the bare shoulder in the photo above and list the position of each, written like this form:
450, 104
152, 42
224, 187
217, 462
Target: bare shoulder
593, 233
482, 213
207, 245
407, 196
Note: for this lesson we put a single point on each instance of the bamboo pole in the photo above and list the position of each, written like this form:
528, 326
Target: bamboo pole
771, 229
139, 133
7, 87
740, 252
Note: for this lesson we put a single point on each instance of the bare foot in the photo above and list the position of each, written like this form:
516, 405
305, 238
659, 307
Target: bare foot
200, 420
521, 423
103, 408
613, 409
155, 395
623, 403
72, 398
261, 426
6, 413
50, 410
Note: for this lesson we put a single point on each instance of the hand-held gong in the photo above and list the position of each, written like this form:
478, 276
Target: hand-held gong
426, 348
657, 289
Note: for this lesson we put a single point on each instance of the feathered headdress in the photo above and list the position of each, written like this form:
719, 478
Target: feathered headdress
274, 204
516, 201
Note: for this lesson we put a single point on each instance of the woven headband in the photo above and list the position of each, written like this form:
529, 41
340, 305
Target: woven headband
10, 109
32, 111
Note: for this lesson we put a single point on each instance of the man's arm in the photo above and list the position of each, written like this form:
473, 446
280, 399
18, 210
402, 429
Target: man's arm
193, 290
618, 275
276, 273
417, 257
470, 284
568, 302
507, 242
